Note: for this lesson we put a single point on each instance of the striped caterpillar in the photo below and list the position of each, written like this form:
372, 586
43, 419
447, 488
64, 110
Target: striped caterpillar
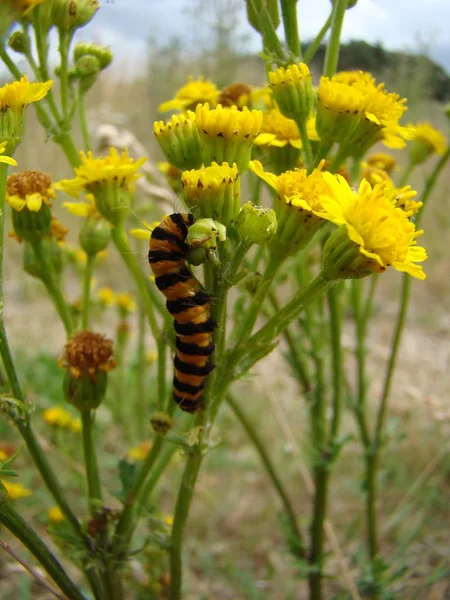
189, 306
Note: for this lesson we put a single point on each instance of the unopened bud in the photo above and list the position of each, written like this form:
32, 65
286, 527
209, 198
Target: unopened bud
161, 422
256, 223
253, 16
204, 233
19, 42
88, 65
94, 235
102, 53
72, 14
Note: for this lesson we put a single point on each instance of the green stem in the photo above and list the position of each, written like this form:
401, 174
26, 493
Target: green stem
338, 159
290, 23
310, 53
65, 39
332, 52
431, 182
306, 144
53, 288
270, 38
69, 148
406, 174
316, 558
271, 472
279, 322
371, 508
83, 119
156, 473
30, 539
90, 461
336, 350
87, 278
141, 405
367, 313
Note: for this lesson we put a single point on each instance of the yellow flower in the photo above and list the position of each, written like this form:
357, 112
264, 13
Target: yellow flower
240, 95
425, 141
180, 141
293, 91
55, 515
75, 425
298, 205
88, 354
57, 416
139, 452
196, 91
80, 209
357, 78
16, 491
227, 133
383, 161
151, 356
382, 234
30, 189
277, 130
107, 296
144, 234
7, 160
125, 302
168, 520
17, 95
3, 456
119, 170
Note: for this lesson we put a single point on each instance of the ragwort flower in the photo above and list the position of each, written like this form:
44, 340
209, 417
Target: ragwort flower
425, 141
373, 234
16, 491
293, 91
196, 91
110, 179
180, 141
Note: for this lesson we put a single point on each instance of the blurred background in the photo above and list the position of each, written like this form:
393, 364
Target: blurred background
235, 547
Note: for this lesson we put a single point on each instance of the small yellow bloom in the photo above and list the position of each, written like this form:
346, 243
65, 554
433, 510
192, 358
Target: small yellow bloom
425, 141
16, 491
151, 356
76, 426
7, 160
168, 520
80, 209
57, 416
107, 296
383, 161
139, 452
17, 95
196, 91
144, 234
277, 130
125, 302
55, 515
30, 189
3, 456
382, 233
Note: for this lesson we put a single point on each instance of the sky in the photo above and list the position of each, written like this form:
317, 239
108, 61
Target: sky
398, 24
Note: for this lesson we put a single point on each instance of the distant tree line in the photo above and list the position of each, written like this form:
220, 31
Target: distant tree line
376, 59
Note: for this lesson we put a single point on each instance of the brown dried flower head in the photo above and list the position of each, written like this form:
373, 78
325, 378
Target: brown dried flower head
58, 231
29, 182
88, 353
234, 94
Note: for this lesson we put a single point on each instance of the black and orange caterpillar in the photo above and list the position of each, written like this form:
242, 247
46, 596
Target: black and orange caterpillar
189, 306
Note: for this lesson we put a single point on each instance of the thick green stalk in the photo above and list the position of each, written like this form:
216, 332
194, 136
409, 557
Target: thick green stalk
270, 469
306, 144
53, 288
83, 119
290, 23
269, 33
336, 351
95, 500
87, 279
316, 557
310, 53
332, 52
65, 39
156, 472
406, 174
140, 402
30, 539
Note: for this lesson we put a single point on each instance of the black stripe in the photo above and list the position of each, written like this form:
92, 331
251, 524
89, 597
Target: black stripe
170, 279
187, 404
207, 326
167, 236
186, 387
178, 220
181, 304
194, 349
190, 369
155, 256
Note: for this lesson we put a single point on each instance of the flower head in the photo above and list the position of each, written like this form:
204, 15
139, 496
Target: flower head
17, 95
236, 94
57, 416
125, 303
293, 91
383, 161
29, 189
277, 130
227, 134
425, 141
16, 491
88, 353
55, 515
373, 233
109, 179
213, 192
139, 452
298, 205
107, 296
196, 91
180, 141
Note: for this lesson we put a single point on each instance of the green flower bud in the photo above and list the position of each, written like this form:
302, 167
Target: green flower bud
252, 282
87, 66
204, 233
256, 223
94, 235
31, 225
52, 254
293, 91
342, 259
19, 42
350, 3
87, 359
73, 14
180, 141
213, 192
102, 54
161, 422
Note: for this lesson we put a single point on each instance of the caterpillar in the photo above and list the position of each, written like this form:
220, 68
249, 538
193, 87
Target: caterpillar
189, 306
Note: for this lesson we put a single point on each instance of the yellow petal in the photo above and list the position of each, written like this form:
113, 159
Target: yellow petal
80, 209
7, 160
258, 169
16, 202
140, 234
264, 139
34, 202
